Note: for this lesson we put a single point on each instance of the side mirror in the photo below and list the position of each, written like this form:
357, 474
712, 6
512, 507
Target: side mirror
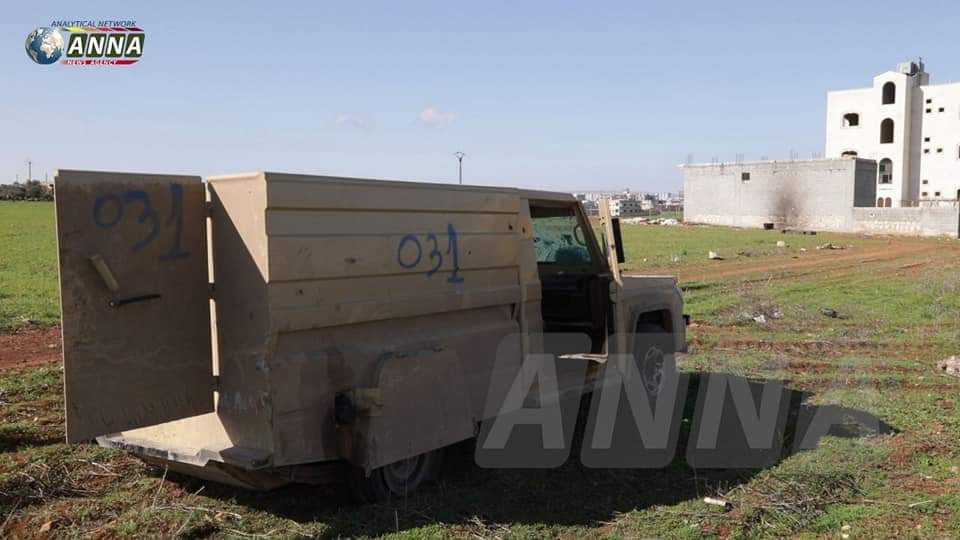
618, 239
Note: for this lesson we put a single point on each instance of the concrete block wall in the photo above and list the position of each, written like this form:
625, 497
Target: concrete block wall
916, 221
813, 194
827, 195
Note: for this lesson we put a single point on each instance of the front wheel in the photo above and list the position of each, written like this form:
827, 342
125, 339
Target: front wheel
654, 365
396, 479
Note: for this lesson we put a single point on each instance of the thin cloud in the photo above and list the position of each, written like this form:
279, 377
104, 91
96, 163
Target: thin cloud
354, 121
434, 117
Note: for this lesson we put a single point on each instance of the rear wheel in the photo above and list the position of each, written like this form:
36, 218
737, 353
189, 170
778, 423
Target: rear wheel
396, 479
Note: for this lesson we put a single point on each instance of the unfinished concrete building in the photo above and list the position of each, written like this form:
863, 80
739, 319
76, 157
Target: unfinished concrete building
910, 127
893, 145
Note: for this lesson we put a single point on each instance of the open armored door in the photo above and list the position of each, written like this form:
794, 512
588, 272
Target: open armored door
612, 250
134, 296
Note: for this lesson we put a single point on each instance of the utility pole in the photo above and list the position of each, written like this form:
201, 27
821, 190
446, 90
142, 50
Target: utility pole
459, 156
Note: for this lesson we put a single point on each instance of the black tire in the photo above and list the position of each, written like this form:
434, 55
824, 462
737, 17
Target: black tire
652, 363
396, 480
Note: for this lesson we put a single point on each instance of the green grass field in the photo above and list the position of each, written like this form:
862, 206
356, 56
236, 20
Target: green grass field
28, 264
891, 468
648, 246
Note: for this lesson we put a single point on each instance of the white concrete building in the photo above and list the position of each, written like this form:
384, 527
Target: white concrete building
625, 207
909, 127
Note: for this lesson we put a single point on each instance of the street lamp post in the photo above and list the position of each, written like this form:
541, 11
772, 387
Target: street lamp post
459, 156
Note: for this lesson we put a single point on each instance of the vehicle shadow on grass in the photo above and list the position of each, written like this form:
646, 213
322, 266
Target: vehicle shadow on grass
573, 495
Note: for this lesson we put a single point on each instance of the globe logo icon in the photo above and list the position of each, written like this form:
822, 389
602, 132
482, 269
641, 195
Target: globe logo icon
44, 45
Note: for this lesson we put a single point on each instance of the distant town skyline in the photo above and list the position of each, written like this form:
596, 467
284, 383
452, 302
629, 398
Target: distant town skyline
541, 95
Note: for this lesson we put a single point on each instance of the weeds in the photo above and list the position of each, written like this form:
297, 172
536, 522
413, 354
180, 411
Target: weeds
40, 483
781, 504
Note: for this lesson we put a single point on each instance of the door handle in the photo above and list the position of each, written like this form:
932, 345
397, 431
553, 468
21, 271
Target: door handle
120, 302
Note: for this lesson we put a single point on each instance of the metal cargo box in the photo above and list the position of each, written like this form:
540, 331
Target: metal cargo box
323, 289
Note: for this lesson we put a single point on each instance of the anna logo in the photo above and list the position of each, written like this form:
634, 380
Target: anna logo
88, 43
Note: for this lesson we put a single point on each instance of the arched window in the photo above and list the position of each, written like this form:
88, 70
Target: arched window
879, 202
885, 171
886, 131
889, 202
851, 120
889, 93
849, 153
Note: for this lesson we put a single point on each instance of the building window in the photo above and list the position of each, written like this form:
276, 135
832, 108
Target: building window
926, 139
745, 177
925, 182
924, 194
941, 109
849, 154
884, 203
929, 100
851, 120
939, 150
886, 131
926, 150
936, 193
886, 171
929, 111
889, 93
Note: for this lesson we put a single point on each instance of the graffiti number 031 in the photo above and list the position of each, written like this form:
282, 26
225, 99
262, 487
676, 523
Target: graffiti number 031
109, 211
412, 253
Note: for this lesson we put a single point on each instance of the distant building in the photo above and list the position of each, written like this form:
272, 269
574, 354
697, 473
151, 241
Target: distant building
595, 196
629, 203
625, 207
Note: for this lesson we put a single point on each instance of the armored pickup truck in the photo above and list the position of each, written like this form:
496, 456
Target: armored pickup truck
265, 328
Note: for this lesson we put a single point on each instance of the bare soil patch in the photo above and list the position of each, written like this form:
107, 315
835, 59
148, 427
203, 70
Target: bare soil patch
31, 346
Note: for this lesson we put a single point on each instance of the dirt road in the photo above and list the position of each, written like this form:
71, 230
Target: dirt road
907, 252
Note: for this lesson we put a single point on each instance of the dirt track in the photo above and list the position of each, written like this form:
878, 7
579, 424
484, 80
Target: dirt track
910, 252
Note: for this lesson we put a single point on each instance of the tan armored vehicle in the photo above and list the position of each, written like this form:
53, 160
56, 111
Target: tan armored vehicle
263, 328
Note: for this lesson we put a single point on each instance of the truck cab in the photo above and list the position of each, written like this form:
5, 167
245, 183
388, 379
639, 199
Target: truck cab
581, 281
265, 328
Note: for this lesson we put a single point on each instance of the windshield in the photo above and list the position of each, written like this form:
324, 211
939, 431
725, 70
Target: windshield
559, 237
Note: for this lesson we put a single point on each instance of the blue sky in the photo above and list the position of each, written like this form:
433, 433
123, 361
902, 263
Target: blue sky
556, 95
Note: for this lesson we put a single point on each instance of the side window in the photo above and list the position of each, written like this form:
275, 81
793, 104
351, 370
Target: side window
558, 237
